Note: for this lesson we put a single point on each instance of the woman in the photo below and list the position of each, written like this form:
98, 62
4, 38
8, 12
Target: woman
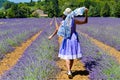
70, 46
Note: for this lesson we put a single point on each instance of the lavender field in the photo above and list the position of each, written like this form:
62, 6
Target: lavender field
103, 29
15, 31
39, 60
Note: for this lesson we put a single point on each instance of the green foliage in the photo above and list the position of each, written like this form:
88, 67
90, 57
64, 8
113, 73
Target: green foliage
105, 11
56, 7
18, 11
11, 42
91, 11
40, 5
112, 9
94, 11
51, 7
97, 10
87, 3
117, 9
23, 11
2, 14
31, 3
34, 14
10, 13
8, 4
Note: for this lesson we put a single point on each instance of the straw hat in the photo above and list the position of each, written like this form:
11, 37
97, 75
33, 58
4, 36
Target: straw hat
67, 11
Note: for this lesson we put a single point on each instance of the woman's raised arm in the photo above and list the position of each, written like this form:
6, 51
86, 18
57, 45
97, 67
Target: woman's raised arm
85, 20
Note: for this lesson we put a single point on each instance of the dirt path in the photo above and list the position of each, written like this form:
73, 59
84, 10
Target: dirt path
112, 51
79, 72
12, 58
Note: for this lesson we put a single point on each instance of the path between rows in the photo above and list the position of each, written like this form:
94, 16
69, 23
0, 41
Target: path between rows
112, 51
79, 72
12, 58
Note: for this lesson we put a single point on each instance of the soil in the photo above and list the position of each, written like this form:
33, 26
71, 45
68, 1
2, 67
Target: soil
78, 71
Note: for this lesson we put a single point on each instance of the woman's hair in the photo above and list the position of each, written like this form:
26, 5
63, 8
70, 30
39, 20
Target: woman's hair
64, 16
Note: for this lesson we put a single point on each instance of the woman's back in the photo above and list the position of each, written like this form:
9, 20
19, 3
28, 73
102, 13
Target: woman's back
73, 26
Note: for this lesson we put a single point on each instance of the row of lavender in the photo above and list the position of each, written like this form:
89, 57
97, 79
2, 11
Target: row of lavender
38, 61
100, 65
15, 31
103, 29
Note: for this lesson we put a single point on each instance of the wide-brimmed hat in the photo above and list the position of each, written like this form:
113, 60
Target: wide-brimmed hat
67, 11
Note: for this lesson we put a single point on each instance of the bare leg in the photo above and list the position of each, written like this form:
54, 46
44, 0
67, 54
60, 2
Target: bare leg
69, 64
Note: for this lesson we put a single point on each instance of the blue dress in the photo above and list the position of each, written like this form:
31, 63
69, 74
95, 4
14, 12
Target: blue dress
70, 47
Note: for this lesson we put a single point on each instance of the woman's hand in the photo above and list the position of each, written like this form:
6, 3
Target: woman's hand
50, 37
86, 10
